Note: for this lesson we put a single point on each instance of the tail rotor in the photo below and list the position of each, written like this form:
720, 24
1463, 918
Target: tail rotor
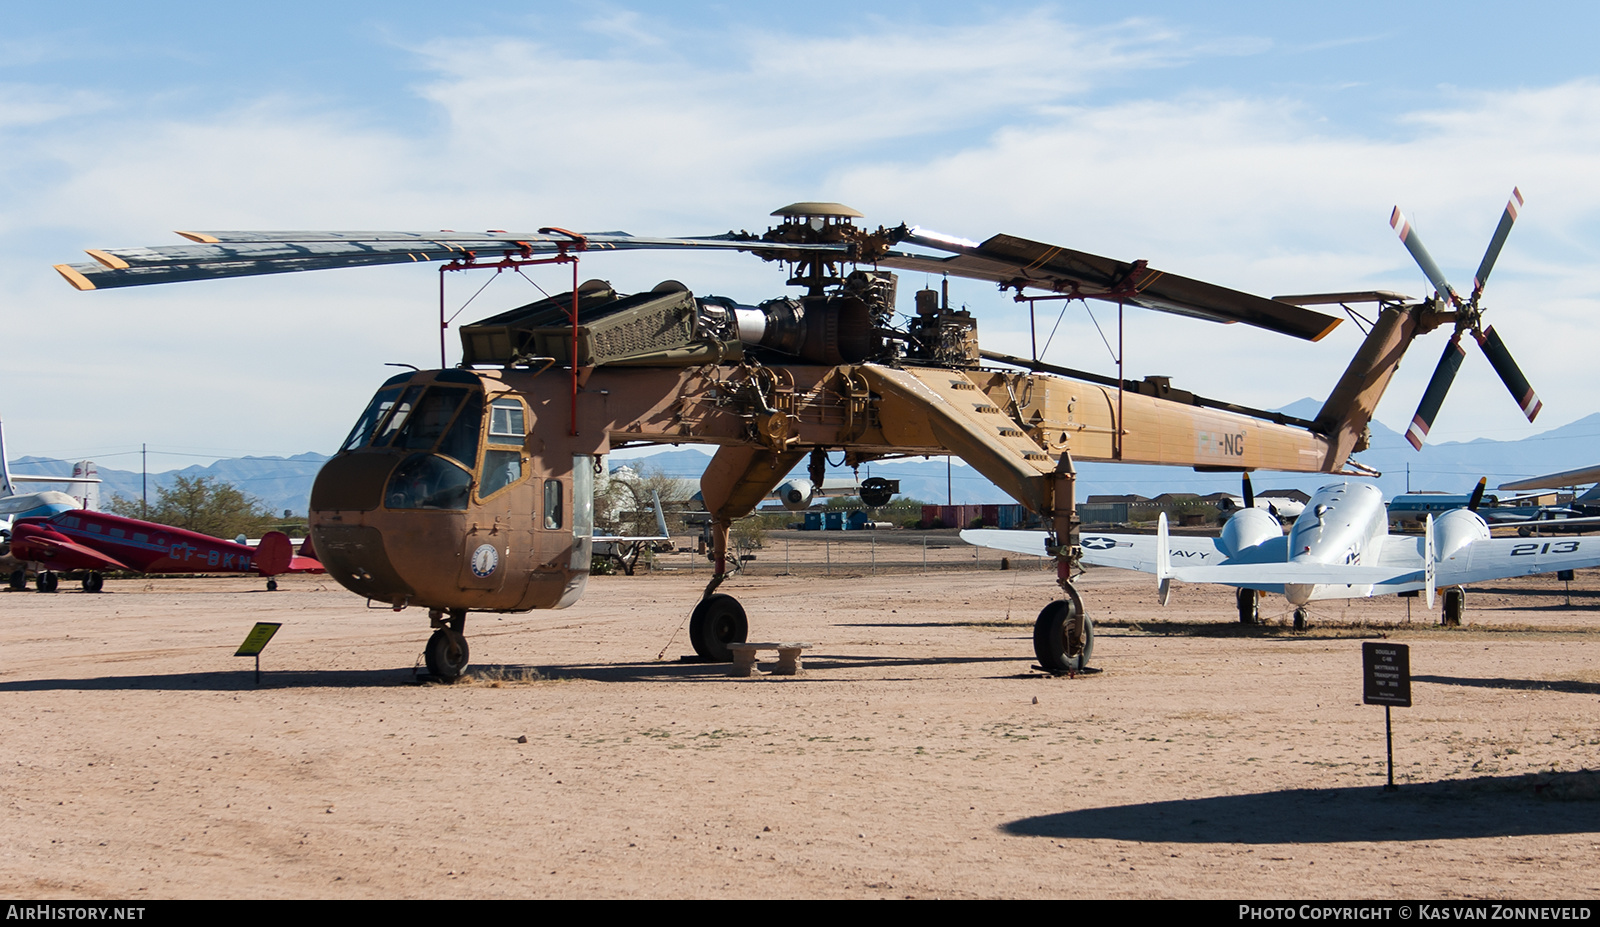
1468, 319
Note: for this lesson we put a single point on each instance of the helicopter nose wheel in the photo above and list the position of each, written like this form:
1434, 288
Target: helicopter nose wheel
1056, 639
447, 652
718, 621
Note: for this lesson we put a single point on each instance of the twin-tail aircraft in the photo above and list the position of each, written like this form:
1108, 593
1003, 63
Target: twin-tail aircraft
1339, 548
98, 542
470, 488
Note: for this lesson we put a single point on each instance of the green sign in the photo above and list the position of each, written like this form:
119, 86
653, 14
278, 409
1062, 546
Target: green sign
257, 639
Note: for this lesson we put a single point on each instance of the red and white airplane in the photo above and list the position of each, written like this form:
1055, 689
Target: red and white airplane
99, 542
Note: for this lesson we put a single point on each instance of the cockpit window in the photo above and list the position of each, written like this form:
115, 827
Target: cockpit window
461, 442
398, 415
368, 422
506, 421
426, 481
426, 425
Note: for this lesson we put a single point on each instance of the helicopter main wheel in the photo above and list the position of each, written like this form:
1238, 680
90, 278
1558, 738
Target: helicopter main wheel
718, 621
1455, 602
272, 585
1055, 637
1249, 607
19, 580
1299, 619
47, 582
94, 582
446, 654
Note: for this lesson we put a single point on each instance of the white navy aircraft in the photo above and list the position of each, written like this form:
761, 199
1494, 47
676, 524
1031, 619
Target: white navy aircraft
1339, 548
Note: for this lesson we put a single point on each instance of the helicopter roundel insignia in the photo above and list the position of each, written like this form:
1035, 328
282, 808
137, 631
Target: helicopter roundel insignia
1099, 543
485, 560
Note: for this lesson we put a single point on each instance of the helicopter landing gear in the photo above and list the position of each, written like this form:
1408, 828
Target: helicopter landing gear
718, 621
1063, 636
272, 585
1249, 607
47, 581
446, 653
1455, 602
1300, 619
94, 581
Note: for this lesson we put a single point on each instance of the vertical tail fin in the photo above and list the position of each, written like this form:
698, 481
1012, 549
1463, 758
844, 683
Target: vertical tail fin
661, 520
5, 469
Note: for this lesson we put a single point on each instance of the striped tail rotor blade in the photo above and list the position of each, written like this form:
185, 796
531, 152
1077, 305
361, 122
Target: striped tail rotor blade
1408, 237
1433, 396
1510, 373
1507, 218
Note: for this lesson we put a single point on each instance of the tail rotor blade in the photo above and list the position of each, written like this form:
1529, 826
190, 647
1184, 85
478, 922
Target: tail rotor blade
1496, 243
1510, 373
1433, 396
1408, 237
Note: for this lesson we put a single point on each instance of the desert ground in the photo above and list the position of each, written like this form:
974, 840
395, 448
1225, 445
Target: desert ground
919, 755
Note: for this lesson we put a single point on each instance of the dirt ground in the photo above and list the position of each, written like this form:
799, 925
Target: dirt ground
919, 755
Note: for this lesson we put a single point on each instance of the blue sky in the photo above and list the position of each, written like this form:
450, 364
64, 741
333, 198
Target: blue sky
1260, 146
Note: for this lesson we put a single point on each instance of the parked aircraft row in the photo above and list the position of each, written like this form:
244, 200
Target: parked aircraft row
1339, 548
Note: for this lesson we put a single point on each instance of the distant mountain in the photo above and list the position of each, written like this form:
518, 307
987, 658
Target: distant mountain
284, 483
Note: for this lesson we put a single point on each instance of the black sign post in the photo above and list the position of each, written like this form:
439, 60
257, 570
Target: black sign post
1386, 681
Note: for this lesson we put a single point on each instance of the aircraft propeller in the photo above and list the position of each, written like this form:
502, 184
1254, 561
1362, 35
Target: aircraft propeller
1468, 319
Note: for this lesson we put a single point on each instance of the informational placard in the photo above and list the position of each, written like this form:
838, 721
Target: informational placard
256, 640
1386, 674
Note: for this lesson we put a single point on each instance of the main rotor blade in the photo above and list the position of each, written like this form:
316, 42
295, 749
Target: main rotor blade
1438, 386
1510, 373
1018, 262
1413, 243
242, 254
1496, 243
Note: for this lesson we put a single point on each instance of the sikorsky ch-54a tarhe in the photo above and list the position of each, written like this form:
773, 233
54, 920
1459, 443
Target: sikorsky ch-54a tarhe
470, 488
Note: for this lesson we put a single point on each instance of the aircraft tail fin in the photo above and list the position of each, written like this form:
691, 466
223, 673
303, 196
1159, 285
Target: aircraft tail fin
5, 469
1163, 559
661, 519
1430, 560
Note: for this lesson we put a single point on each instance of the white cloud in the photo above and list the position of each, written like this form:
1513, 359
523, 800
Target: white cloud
974, 129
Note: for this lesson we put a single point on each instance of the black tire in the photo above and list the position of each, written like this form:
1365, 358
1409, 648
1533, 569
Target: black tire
717, 622
1249, 607
47, 582
447, 654
1455, 603
1299, 619
1054, 640
19, 580
94, 582
272, 585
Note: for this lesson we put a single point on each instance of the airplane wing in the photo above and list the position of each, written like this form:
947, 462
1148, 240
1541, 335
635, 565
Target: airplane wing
58, 553
1124, 551
1552, 480
1503, 558
661, 527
